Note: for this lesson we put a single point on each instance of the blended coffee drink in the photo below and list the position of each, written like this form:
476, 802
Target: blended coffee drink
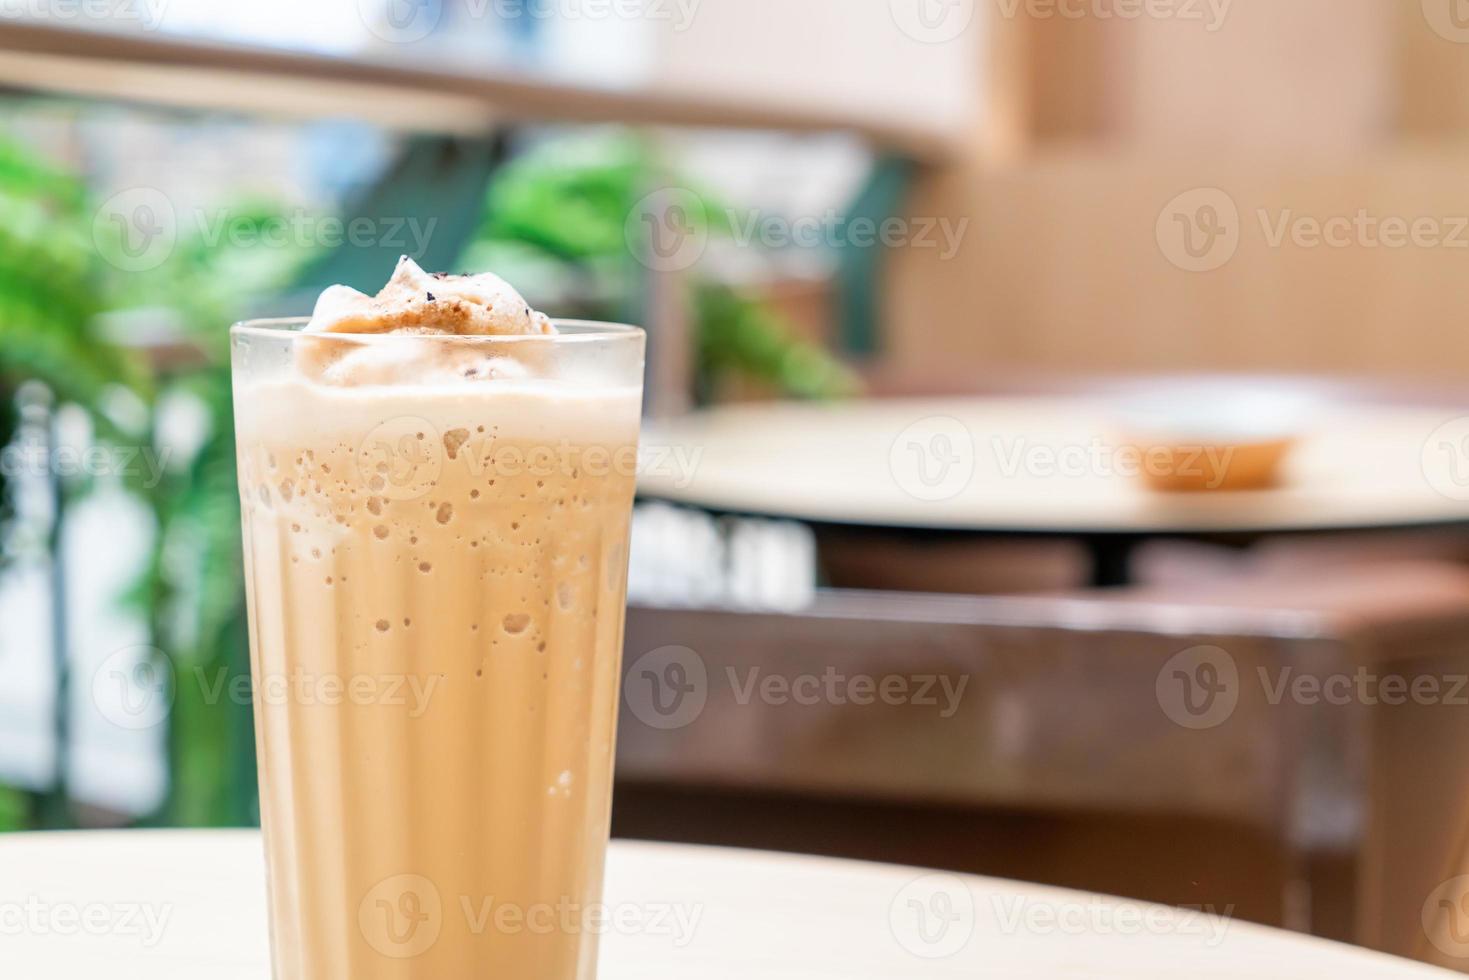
437, 484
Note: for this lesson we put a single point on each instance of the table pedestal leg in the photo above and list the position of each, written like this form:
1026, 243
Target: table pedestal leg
1111, 558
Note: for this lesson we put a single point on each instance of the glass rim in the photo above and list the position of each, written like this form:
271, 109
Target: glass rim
585, 331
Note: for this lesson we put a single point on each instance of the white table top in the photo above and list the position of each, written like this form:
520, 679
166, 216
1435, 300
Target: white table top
1043, 464
191, 905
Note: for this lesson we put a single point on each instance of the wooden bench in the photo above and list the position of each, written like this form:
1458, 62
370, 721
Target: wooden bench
1077, 705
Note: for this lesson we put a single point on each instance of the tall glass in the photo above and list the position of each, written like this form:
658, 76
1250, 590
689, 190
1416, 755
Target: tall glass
436, 558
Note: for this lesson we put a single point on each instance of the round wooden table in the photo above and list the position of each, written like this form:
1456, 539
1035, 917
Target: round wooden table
1048, 465
191, 905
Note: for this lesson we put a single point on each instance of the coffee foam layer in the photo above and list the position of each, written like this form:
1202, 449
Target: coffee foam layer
526, 410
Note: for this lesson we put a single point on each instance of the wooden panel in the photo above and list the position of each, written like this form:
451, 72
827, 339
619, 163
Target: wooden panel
1363, 788
1314, 76
1432, 94
1156, 859
1419, 793
1055, 707
1061, 268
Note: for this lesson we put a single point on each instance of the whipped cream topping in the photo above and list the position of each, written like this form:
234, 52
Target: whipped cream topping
418, 304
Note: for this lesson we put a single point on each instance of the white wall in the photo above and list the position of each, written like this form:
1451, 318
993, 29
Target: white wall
846, 54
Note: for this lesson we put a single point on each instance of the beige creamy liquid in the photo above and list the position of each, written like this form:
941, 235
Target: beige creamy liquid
436, 583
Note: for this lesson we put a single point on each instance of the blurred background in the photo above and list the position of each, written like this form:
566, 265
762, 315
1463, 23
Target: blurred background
1057, 460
